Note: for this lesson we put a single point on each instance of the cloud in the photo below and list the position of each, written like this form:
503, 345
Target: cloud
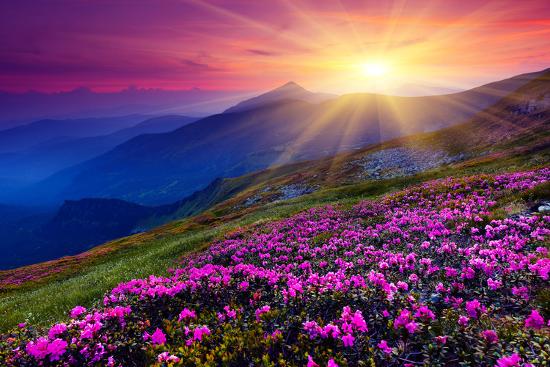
397, 43
195, 66
256, 51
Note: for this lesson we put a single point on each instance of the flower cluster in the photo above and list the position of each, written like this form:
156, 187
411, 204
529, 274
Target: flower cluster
432, 275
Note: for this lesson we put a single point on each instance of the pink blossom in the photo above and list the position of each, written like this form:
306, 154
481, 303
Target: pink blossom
535, 320
490, 336
77, 311
383, 345
425, 313
56, 329
186, 314
199, 332
158, 337
56, 349
511, 361
522, 292
38, 349
348, 340
311, 362
494, 284
359, 322
473, 308
260, 311
167, 357
463, 320
411, 327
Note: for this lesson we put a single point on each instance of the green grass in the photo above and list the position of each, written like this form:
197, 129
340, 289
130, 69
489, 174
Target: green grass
49, 300
44, 303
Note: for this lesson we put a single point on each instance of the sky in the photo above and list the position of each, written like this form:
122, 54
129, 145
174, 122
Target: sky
397, 47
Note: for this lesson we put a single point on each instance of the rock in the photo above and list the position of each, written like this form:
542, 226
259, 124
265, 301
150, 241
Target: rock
544, 207
252, 200
397, 162
295, 190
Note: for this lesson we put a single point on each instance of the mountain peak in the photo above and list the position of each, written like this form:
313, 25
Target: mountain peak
287, 91
289, 86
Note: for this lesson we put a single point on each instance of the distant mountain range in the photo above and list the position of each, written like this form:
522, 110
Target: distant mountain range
64, 143
19, 108
50, 131
270, 129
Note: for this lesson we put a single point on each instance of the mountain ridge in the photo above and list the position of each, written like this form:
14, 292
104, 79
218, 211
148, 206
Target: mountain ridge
231, 144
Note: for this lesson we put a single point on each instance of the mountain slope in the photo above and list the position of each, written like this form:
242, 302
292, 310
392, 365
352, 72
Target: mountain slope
46, 158
156, 169
43, 131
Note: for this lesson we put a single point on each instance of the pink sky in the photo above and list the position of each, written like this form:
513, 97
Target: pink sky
256, 45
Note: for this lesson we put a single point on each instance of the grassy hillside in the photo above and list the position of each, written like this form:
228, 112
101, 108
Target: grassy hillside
442, 273
43, 293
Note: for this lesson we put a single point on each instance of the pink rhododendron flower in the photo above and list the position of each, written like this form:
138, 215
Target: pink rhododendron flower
358, 321
490, 336
311, 362
463, 320
522, 292
167, 357
402, 319
56, 330
511, 361
56, 349
332, 363
494, 284
38, 349
158, 337
473, 308
348, 340
199, 332
260, 311
425, 313
383, 345
186, 314
77, 311
535, 320
411, 327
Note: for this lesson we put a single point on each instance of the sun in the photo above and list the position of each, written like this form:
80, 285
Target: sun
374, 69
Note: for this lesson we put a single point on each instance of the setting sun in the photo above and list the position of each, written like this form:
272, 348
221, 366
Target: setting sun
374, 69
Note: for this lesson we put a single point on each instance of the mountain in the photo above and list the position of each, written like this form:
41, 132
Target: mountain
516, 126
21, 108
288, 91
49, 131
79, 224
160, 168
41, 160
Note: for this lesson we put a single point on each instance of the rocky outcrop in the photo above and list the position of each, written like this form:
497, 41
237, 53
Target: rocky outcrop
398, 162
